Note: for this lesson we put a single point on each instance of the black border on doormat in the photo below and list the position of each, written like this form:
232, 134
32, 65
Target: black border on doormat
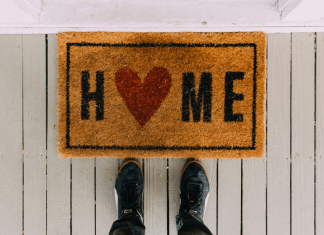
149, 147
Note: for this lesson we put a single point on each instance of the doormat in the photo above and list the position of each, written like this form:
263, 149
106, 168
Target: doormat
189, 95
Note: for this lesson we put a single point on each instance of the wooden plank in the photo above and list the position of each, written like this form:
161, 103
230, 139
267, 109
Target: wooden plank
320, 134
254, 196
155, 196
106, 211
58, 169
302, 133
210, 217
34, 108
229, 197
11, 137
176, 166
83, 200
106, 204
278, 134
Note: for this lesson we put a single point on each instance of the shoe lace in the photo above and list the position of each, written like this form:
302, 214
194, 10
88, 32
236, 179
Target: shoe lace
129, 197
192, 197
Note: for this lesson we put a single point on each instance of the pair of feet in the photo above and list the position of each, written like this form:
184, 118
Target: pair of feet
129, 185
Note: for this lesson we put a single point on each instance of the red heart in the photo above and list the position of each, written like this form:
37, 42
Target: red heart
143, 99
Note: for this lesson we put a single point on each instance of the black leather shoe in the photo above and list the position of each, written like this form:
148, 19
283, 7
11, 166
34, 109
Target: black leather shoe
194, 188
129, 187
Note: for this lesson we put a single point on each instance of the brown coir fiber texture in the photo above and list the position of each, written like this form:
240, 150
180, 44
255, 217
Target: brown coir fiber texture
189, 95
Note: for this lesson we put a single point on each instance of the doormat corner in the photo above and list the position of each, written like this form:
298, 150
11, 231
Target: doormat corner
188, 95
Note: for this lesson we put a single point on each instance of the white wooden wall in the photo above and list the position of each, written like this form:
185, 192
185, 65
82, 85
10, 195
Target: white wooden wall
283, 193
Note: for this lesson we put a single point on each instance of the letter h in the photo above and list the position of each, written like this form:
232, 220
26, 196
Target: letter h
97, 96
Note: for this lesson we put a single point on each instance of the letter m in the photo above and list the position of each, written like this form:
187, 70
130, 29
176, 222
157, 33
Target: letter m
189, 98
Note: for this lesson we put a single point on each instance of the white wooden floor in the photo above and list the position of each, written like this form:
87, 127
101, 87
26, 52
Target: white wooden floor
281, 194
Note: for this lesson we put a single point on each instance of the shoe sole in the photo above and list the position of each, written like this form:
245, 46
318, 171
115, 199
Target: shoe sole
128, 161
207, 197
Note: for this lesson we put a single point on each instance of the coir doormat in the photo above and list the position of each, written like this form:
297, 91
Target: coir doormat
198, 95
